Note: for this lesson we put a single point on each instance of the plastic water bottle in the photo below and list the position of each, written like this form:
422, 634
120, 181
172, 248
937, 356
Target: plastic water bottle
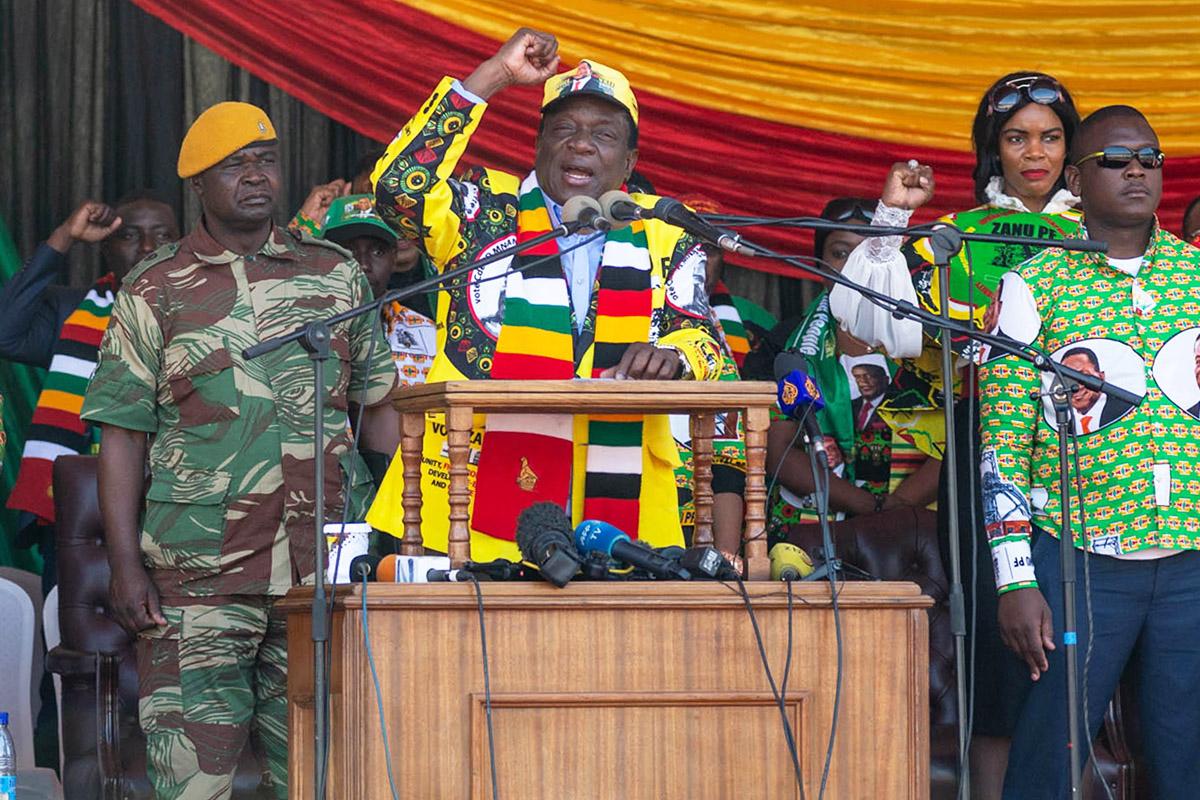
8, 761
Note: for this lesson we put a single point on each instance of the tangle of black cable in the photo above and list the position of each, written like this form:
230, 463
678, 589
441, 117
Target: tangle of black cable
487, 686
387, 749
789, 737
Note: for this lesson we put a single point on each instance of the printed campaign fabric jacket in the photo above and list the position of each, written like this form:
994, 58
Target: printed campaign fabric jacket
458, 220
1139, 466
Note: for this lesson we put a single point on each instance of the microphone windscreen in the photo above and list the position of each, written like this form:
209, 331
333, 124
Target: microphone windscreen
594, 535
789, 560
536, 519
789, 361
386, 571
576, 206
611, 198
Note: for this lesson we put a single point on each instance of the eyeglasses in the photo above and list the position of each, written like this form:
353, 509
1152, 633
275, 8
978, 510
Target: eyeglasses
1118, 156
1040, 89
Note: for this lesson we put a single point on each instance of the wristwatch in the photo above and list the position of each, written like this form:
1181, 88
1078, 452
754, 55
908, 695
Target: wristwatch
686, 372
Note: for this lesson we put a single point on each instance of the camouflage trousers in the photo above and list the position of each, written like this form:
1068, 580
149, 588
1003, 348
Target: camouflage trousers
212, 680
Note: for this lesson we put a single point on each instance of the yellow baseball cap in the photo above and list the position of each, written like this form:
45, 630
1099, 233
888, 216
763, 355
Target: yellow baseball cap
592, 78
220, 132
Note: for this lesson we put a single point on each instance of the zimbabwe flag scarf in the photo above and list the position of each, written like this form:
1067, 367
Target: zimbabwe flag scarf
527, 458
56, 428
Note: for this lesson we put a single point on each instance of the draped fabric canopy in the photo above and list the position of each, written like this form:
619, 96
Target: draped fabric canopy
766, 106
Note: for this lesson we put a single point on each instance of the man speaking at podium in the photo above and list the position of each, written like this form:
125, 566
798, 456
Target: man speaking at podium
628, 305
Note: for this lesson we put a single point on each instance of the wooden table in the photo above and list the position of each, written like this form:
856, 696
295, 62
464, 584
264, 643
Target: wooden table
461, 400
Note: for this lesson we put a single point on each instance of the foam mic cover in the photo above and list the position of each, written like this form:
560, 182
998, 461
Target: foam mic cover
789, 562
386, 571
544, 539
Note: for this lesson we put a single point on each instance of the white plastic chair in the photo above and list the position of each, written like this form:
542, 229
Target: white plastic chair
53, 637
16, 664
17, 621
31, 582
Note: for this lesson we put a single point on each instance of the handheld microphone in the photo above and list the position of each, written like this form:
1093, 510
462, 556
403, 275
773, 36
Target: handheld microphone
364, 566
593, 535
449, 576
544, 538
582, 212
789, 562
799, 399
621, 210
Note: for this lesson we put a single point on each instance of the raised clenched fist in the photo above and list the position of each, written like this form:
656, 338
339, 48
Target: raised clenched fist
529, 57
908, 185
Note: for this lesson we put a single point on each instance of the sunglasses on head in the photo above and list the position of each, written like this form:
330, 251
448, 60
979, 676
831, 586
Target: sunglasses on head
1118, 156
849, 212
1040, 89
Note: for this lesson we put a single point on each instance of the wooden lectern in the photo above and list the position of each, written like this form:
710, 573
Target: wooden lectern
461, 400
640, 690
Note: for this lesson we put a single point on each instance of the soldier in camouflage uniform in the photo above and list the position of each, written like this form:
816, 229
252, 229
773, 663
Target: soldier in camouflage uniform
226, 527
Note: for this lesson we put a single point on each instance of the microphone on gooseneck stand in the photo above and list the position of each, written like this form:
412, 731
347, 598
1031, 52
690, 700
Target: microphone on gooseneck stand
581, 213
800, 399
621, 209
544, 538
593, 535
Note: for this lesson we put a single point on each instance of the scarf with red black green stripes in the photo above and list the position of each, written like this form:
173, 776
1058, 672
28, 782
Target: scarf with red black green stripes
527, 458
56, 429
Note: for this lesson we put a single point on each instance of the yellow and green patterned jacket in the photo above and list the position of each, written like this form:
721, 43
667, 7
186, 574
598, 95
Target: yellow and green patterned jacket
459, 218
1139, 465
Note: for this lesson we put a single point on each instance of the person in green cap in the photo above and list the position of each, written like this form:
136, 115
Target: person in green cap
408, 324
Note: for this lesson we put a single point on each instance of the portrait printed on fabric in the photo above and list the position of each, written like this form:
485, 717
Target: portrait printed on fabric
1109, 360
1177, 371
1011, 313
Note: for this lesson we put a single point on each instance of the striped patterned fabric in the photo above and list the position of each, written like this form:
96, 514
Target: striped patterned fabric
527, 459
56, 429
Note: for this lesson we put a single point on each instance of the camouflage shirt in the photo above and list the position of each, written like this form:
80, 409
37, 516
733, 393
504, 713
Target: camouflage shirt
230, 501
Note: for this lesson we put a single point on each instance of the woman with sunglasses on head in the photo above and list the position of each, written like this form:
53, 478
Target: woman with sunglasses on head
1021, 134
874, 467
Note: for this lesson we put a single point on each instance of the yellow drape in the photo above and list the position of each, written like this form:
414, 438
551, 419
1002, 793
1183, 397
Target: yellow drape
908, 72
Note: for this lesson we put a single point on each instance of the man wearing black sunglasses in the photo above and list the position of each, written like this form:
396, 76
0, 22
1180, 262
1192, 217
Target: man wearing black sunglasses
1136, 476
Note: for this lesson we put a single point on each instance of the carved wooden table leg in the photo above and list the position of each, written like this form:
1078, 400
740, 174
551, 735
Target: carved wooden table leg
703, 426
412, 442
458, 439
758, 566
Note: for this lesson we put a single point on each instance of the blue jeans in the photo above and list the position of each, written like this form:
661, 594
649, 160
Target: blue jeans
1144, 611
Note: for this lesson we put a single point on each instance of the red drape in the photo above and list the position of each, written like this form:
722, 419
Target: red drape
370, 63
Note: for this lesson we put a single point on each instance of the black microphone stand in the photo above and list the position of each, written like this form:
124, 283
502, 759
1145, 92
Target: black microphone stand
946, 240
314, 337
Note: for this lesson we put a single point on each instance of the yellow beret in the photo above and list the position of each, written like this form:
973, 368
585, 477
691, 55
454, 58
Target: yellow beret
220, 132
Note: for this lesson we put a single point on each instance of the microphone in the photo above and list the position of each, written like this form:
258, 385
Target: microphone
582, 212
593, 535
800, 398
364, 566
789, 562
449, 576
621, 210
707, 561
544, 538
